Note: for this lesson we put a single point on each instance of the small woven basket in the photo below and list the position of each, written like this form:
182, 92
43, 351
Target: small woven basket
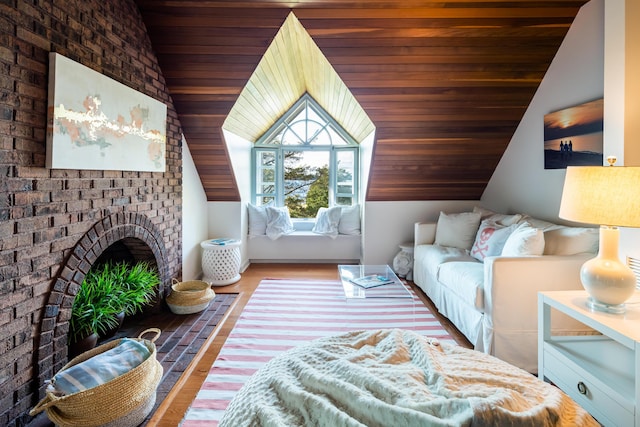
189, 297
125, 401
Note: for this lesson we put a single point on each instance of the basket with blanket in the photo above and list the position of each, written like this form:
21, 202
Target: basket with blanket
112, 385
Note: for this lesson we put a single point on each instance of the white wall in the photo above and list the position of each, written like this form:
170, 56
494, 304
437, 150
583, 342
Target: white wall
229, 219
520, 184
388, 224
194, 217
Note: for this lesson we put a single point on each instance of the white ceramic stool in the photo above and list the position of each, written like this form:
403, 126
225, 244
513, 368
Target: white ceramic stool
403, 261
221, 261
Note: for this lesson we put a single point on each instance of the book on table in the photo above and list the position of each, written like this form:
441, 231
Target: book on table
371, 281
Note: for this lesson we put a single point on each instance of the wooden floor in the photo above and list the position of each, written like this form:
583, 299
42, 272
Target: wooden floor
172, 410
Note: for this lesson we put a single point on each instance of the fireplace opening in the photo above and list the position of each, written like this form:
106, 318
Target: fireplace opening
119, 236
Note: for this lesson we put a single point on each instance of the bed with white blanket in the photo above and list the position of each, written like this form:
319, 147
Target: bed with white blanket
396, 378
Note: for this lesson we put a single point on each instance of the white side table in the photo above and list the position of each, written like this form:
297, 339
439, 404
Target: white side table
221, 261
600, 372
403, 261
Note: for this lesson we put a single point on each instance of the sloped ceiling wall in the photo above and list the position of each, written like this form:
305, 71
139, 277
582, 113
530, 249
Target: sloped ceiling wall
445, 83
292, 66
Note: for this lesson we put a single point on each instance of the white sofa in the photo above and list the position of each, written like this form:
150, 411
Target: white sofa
493, 300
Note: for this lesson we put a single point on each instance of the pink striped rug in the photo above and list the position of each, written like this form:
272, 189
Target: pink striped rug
283, 313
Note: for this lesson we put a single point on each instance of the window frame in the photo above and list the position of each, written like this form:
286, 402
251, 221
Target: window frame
264, 144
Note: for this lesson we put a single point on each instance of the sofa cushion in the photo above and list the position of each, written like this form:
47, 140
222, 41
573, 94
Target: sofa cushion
524, 241
432, 256
457, 230
571, 241
490, 239
466, 280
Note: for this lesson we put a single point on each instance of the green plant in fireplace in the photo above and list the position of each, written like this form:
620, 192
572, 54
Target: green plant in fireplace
110, 290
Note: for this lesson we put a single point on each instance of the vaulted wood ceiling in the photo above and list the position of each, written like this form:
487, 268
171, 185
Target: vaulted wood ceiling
444, 82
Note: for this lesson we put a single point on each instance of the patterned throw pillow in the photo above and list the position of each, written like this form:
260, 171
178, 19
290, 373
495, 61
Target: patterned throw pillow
490, 239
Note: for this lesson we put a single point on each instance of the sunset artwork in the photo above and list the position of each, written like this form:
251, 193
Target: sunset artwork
97, 123
574, 136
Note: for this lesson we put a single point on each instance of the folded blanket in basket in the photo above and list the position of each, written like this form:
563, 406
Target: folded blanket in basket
100, 368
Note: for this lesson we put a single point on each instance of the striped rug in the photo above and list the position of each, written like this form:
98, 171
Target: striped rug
283, 313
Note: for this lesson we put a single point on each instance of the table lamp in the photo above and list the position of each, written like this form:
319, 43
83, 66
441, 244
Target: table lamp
609, 196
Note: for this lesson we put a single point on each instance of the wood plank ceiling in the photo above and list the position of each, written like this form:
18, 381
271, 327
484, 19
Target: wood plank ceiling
444, 82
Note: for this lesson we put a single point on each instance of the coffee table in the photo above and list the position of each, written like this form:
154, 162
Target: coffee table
397, 289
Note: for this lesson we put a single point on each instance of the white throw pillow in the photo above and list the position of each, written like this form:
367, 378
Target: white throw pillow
498, 218
257, 219
349, 220
540, 223
525, 240
490, 239
278, 222
327, 221
571, 241
457, 230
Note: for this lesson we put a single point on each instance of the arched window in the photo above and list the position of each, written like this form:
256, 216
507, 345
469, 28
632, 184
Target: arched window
305, 161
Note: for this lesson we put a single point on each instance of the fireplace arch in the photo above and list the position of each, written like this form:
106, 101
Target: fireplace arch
132, 232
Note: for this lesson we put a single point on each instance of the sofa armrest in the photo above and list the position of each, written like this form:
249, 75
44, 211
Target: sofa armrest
424, 233
511, 286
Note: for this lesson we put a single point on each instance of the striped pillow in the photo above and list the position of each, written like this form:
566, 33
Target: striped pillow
100, 368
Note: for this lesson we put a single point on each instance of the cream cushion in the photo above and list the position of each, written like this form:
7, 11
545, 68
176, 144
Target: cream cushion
571, 241
457, 230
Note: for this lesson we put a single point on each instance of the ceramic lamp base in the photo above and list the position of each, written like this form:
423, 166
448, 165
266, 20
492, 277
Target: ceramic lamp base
608, 281
595, 305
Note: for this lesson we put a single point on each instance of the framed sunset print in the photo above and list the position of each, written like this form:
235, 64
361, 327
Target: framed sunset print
574, 136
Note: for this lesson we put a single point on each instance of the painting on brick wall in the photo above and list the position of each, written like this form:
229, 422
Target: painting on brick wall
574, 136
94, 122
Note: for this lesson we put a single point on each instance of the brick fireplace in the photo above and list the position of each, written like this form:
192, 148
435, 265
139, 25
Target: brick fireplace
55, 223
129, 236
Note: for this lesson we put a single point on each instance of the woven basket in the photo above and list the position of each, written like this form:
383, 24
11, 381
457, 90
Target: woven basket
125, 401
190, 297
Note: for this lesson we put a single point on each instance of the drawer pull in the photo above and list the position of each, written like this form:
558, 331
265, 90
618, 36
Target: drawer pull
582, 388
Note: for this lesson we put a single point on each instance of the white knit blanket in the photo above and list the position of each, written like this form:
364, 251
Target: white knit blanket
396, 378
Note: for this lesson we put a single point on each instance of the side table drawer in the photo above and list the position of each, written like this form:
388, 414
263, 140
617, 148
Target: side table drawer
596, 397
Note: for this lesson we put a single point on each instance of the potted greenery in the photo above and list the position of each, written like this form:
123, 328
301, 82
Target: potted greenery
108, 293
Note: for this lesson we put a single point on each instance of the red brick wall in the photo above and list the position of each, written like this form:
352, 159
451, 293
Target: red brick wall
45, 213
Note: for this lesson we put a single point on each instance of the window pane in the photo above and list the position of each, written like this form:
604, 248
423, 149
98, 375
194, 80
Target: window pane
336, 138
345, 189
306, 182
345, 160
263, 200
265, 174
344, 201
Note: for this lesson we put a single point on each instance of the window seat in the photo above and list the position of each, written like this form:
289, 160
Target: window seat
305, 246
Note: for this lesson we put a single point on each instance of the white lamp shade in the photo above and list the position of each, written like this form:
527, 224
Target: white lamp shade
604, 195
609, 196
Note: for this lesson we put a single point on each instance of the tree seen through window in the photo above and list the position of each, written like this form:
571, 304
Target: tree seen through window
305, 161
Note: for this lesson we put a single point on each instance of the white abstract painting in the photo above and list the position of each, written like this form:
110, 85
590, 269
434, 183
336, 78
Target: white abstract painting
96, 123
